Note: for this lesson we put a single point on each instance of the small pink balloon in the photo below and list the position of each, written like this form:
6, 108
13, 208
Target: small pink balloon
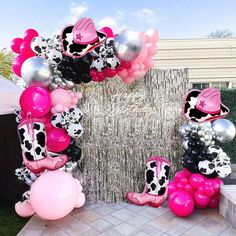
148, 63
92, 73
136, 74
152, 35
24, 209
180, 186
179, 175
15, 44
214, 201
47, 121
17, 63
60, 96
125, 64
109, 72
196, 180
201, 200
187, 173
101, 76
141, 57
151, 49
35, 101
188, 188
209, 190
144, 37
181, 203
171, 187
54, 194
57, 140
108, 31
128, 80
30, 34
124, 73
81, 200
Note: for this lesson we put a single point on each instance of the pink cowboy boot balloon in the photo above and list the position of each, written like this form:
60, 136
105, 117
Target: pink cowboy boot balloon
32, 135
156, 181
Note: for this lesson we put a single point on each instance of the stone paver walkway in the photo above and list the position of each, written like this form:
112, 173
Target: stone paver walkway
126, 219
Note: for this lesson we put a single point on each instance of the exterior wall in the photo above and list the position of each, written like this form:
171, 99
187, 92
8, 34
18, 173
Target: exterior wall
208, 60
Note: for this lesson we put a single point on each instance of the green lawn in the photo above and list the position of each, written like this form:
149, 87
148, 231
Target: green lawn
10, 222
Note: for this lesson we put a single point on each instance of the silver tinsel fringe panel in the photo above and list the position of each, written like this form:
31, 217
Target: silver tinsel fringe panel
126, 124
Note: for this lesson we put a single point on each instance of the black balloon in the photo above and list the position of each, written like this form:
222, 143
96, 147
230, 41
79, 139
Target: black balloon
73, 152
76, 69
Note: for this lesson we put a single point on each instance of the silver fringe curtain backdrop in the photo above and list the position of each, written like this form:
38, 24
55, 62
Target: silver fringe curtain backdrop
126, 124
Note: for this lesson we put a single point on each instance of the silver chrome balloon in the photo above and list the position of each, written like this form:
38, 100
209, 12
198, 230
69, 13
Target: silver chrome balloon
127, 45
224, 130
37, 70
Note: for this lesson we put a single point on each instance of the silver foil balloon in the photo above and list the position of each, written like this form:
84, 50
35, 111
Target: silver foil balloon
127, 45
182, 130
37, 70
224, 130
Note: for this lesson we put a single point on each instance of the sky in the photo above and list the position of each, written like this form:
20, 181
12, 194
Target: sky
172, 18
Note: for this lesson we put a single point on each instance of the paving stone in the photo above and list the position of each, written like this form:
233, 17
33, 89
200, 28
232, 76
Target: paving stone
111, 219
101, 225
138, 220
111, 232
141, 233
148, 229
72, 225
52, 230
230, 231
135, 208
199, 230
119, 205
123, 214
178, 230
125, 229
104, 210
87, 216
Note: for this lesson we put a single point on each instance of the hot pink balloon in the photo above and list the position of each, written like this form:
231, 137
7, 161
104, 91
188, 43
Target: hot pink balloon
209, 190
178, 176
188, 188
187, 173
201, 200
181, 203
35, 101
15, 44
30, 34
109, 72
214, 201
171, 187
108, 31
196, 180
26, 49
47, 121
17, 63
54, 195
57, 140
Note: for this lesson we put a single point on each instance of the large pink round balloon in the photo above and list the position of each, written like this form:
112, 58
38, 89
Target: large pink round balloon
57, 140
181, 203
35, 101
30, 34
54, 194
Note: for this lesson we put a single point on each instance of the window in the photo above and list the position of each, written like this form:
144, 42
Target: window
200, 85
220, 85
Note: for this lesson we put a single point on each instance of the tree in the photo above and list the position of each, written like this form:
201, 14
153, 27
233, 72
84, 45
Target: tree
6, 59
221, 34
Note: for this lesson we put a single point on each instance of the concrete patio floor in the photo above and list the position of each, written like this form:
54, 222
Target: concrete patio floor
127, 219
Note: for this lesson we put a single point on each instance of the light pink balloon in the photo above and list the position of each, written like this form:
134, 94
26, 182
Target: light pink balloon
54, 195
136, 74
135, 66
124, 73
144, 37
151, 49
181, 203
148, 63
60, 96
24, 209
214, 201
15, 44
35, 101
80, 200
152, 35
57, 140
128, 80
141, 57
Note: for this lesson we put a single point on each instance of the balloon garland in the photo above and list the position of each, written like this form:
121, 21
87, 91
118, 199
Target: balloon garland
49, 119
198, 184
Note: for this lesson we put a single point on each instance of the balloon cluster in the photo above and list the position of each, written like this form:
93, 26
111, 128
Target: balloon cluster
203, 161
188, 190
22, 47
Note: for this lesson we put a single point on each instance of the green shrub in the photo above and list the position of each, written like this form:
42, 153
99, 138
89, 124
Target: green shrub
229, 99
